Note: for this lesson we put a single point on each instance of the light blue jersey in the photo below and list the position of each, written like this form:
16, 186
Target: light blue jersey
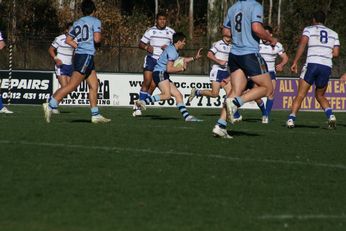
83, 31
169, 54
239, 19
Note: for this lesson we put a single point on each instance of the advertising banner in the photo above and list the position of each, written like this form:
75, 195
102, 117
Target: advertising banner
119, 89
28, 87
123, 90
287, 88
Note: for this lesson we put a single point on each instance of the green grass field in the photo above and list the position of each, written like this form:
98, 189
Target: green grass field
158, 172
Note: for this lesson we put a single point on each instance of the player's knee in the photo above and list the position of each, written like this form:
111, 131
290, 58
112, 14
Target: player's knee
270, 91
214, 94
165, 96
72, 86
319, 97
178, 97
93, 87
299, 98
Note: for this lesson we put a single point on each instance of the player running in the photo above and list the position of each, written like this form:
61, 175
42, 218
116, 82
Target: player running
62, 53
269, 54
219, 75
164, 67
323, 44
244, 24
86, 31
154, 41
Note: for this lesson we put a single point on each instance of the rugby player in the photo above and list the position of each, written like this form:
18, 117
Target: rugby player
162, 70
83, 35
243, 24
270, 54
154, 41
62, 53
323, 44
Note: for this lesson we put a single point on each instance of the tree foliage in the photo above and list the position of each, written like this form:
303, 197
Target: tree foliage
124, 21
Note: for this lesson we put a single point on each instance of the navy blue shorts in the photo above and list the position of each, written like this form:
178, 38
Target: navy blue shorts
64, 69
149, 63
250, 84
84, 64
250, 64
218, 75
316, 73
159, 76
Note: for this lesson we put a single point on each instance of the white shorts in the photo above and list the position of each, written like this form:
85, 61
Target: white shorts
218, 74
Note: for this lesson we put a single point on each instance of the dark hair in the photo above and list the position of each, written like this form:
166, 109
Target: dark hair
88, 7
161, 14
68, 25
268, 28
319, 16
178, 36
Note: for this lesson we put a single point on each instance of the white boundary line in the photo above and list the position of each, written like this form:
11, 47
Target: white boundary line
176, 153
301, 217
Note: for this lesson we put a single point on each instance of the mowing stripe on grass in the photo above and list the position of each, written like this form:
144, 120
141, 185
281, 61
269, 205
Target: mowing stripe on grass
301, 217
175, 153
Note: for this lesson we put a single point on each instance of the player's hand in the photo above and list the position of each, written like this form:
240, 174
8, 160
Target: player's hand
343, 78
294, 68
164, 47
198, 54
58, 62
150, 49
185, 64
223, 64
265, 42
279, 67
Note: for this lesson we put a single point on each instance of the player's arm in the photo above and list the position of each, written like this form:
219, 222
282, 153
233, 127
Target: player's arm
70, 41
301, 48
172, 69
194, 58
259, 30
257, 25
52, 54
336, 51
146, 47
212, 57
284, 60
343, 78
97, 37
2, 44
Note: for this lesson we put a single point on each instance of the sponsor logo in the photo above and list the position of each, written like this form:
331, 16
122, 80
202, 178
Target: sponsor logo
30, 84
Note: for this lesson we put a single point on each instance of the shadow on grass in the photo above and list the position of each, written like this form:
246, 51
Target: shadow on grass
302, 126
210, 114
65, 112
240, 133
158, 117
252, 120
81, 121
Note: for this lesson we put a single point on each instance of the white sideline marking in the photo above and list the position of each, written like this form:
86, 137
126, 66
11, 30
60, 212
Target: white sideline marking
176, 153
301, 217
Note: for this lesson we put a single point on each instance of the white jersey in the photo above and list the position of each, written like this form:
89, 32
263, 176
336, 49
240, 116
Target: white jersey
322, 40
1, 38
158, 38
64, 51
221, 50
269, 54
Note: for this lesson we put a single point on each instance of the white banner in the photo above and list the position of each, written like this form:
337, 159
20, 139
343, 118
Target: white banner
123, 89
